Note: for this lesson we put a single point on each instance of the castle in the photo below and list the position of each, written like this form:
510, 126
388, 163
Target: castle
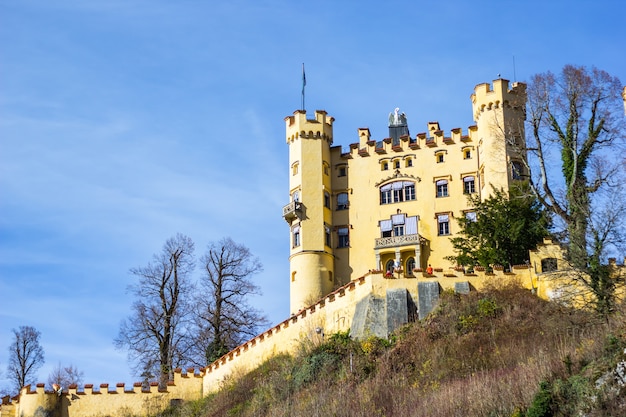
364, 226
390, 204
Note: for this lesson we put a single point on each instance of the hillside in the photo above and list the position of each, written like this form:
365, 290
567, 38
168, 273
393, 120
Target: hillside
500, 352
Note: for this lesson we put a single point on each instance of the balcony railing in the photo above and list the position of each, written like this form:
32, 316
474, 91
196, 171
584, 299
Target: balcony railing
395, 241
292, 210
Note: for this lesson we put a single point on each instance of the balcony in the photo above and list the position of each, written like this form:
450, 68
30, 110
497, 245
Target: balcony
396, 241
292, 211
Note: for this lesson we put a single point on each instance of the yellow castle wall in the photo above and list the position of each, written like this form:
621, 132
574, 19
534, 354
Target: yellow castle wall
114, 401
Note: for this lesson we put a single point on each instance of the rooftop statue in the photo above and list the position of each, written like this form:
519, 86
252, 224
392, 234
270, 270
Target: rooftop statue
396, 118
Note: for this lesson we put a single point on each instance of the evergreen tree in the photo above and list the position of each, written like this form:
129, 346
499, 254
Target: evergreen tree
504, 228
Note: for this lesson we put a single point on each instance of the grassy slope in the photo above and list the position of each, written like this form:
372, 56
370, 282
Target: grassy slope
501, 352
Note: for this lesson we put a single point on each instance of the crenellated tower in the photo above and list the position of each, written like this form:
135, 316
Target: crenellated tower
309, 212
499, 113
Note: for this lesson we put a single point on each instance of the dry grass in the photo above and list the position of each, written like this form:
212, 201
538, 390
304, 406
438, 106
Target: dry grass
484, 354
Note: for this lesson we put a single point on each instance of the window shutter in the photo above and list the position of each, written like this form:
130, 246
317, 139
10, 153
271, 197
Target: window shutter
397, 219
385, 225
411, 225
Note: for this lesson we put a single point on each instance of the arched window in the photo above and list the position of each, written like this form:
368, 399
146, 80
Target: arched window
410, 265
397, 191
389, 267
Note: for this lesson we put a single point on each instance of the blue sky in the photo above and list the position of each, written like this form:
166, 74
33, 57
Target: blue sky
123, 122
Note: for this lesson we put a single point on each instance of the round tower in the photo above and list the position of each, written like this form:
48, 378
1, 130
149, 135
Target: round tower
309, 211
499, 113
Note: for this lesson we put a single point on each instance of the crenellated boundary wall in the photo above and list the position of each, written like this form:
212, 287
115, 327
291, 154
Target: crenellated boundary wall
341, 310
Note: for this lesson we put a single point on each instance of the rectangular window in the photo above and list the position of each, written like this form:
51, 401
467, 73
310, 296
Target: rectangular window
342, 172
471, 216
443, 221
327, 236
442, 188
296, 236
343, 237
409, 192
398, 230
326, 199
398, 196
342, 201
516, 170
385, 196
469, 185
386, 228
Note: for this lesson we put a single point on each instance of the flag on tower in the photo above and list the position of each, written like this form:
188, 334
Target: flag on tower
303, 85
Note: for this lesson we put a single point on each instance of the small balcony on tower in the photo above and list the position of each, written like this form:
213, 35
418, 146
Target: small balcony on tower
292, 211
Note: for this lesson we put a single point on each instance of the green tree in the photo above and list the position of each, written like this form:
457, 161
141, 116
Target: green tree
502, 231
576, 117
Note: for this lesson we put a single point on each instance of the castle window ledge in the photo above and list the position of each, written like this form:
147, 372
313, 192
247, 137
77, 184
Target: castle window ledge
292, 211
465, 138
431, 142
380, 150
363, 152
395, 241
448, 140
397, 148
414, 145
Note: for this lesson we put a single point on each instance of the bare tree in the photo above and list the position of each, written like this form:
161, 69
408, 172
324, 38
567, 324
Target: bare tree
26, 356
224, 318
64, 376
577, 115
156, 333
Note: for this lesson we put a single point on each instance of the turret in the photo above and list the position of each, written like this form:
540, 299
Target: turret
499, 113
309, 211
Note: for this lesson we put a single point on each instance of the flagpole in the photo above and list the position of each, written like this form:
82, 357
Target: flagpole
303, 85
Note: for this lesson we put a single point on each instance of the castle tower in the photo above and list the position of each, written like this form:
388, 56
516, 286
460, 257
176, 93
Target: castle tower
309, 211
499, 113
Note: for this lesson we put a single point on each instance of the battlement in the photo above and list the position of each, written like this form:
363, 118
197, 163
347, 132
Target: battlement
137, 399
487, 97
433, 137
298, 126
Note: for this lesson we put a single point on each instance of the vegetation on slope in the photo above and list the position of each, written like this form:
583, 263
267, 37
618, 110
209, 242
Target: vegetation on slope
499, 352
